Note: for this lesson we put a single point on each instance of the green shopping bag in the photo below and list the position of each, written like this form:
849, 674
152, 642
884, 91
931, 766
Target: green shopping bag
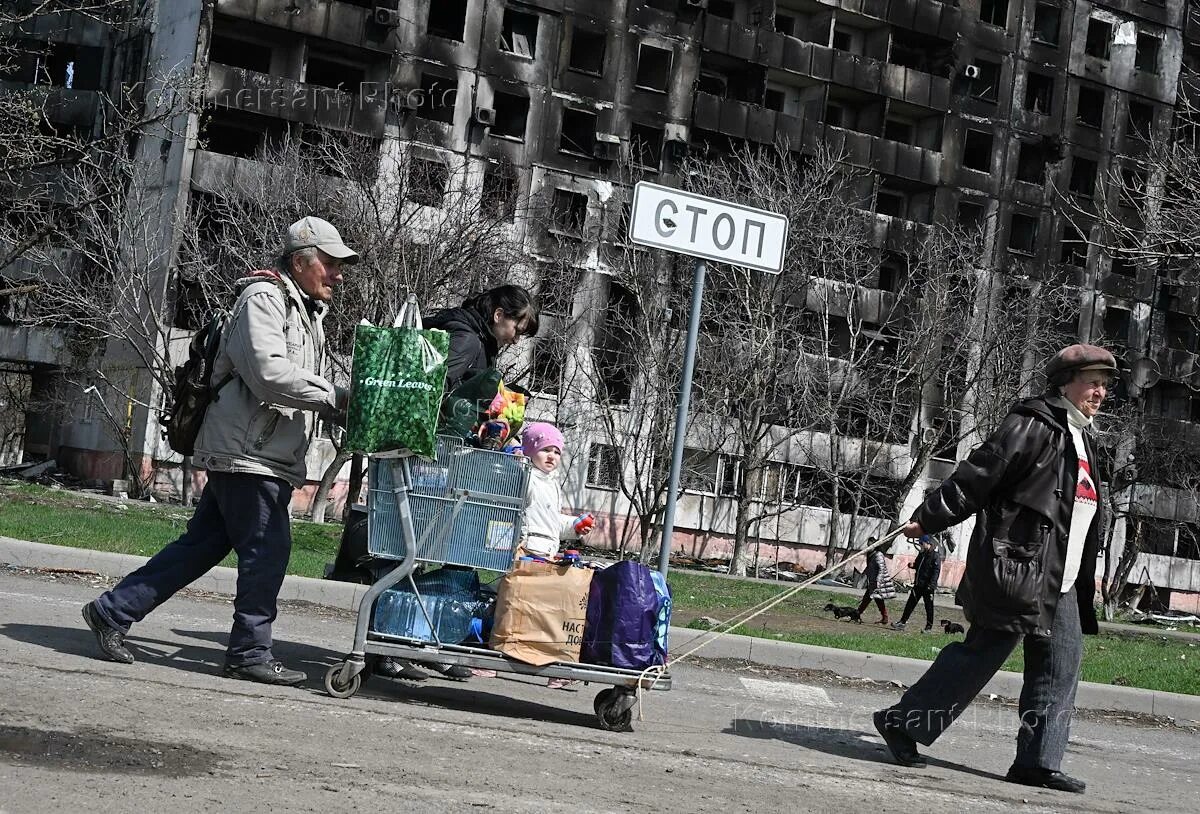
397, 378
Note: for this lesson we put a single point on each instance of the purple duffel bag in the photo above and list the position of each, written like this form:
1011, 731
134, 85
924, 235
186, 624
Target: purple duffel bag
621, 616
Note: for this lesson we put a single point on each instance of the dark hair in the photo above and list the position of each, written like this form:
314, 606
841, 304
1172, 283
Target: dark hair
513, 301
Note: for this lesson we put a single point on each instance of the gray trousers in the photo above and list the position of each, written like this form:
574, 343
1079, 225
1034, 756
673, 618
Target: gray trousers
963, 668
247, 514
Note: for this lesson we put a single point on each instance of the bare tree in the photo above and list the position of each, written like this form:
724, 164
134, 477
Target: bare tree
419, 220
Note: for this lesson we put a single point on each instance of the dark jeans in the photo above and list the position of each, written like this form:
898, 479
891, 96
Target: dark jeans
1047, 697
247, 514
911, 605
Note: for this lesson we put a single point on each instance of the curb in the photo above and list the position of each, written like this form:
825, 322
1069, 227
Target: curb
906, 671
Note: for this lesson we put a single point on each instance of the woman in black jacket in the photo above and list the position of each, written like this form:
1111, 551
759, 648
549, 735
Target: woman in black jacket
483, 326
1030, 575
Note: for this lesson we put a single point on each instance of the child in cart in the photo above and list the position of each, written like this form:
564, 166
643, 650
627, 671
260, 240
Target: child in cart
545, 524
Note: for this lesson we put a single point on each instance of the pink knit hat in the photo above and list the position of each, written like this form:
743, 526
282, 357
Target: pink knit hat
540, 435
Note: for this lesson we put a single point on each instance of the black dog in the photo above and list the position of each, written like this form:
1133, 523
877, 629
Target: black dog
951, 627
842, 610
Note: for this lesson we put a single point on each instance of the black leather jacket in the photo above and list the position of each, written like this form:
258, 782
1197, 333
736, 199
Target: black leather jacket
1020, 485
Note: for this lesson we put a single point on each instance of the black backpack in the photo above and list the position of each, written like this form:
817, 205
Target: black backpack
193, 389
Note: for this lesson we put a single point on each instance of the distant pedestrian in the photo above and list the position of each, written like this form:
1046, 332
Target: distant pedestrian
253, 442
927, 568
1030, 575
880, 586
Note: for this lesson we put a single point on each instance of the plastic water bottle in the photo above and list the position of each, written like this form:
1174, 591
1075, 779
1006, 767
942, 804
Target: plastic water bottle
583, 523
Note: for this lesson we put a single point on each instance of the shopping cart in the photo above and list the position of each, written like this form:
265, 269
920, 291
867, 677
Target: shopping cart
463, 508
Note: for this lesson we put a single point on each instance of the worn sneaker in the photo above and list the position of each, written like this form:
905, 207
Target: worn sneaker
452, 671
389, 667
927, 630
266, 672
902, 747
897, 625
1044, 778
111, 640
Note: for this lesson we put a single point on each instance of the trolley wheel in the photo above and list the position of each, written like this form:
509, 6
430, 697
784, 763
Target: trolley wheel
614, 709
338, 689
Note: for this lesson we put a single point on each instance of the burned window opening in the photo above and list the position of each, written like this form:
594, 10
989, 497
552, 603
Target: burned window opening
1031, 163
501, 187
653, 68
1099, 35
330, 73
775, 99
1073, 248
986, 84
970, 214
1022, 234
57, 64
568, 212
898, 130
239, 133
893, 271
1089, 109
1133, 184
646, 143
1116, 324
977, 151
1083, 177
518, 35
1148, 48
920, 52
1123, 266
1140, 119
437, 98
447, 19
587, 51
722, 8
1046, 22
578, 133
427, 181
512, 114
240, 54
1182, 332
1039, 93
994, 12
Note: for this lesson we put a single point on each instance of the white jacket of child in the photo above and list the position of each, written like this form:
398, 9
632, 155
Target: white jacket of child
545, 524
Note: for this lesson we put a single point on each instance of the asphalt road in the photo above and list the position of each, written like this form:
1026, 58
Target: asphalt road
170, 734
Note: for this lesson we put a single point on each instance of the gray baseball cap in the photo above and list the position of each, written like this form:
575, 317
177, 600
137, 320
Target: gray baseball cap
313, 232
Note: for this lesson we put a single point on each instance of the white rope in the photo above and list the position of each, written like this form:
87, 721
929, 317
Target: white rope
706, 638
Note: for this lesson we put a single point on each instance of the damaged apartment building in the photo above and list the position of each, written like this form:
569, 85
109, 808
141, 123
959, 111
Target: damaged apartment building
977, 111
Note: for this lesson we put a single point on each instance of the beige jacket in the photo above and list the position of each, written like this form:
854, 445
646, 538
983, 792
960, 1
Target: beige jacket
261, 422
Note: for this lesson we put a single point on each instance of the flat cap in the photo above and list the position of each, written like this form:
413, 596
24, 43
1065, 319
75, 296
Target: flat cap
1077, 358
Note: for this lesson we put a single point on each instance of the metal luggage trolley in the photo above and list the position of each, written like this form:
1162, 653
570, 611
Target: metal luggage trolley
463, 508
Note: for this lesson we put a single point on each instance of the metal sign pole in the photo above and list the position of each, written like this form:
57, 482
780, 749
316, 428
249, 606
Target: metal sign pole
685, 393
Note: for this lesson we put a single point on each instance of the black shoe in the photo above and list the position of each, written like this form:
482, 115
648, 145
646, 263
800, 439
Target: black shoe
453, 671
1044, 778
111, 640
266, 672
902, 747
389, 667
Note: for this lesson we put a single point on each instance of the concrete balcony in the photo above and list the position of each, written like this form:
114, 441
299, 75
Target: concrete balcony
34, 345
746, 121
287, 99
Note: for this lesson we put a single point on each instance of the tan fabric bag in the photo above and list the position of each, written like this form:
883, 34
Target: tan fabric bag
540, 611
